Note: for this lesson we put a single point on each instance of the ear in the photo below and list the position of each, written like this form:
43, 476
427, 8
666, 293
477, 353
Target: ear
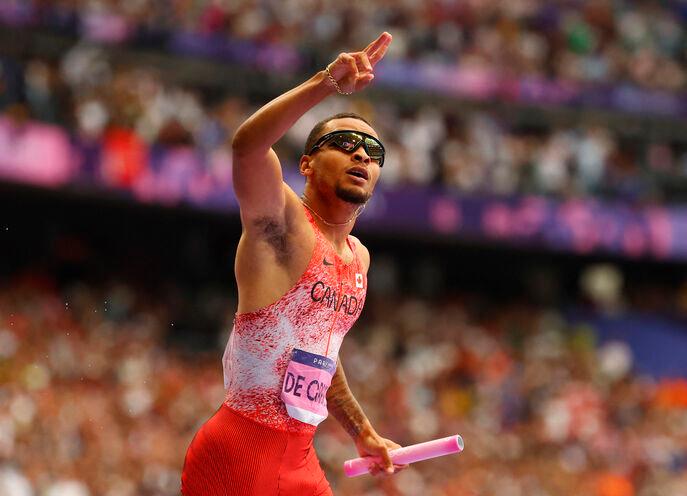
305, 166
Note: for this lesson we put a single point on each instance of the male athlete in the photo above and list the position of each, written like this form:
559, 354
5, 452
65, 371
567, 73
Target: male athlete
302, 281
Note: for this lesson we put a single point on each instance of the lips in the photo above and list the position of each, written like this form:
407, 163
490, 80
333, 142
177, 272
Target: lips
359, 172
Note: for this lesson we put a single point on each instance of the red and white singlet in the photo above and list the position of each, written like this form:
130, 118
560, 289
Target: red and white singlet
251, 446
313, 316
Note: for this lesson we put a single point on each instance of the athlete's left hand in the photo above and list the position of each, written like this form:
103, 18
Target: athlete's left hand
355, 70
371, 444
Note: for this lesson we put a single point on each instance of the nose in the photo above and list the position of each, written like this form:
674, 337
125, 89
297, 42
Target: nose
361, 155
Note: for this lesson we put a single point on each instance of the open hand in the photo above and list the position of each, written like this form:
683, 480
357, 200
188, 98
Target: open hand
353, 71
371, 444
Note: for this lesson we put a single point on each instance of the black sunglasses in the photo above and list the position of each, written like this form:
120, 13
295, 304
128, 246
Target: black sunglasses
350, 141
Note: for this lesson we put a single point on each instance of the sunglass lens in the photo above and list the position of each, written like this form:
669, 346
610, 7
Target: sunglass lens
348, 141
374, 148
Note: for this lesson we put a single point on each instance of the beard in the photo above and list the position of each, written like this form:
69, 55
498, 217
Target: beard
352, 195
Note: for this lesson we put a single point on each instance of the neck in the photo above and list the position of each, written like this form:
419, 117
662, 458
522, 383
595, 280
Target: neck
336, 229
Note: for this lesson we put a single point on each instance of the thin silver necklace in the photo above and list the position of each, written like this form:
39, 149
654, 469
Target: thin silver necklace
333, 224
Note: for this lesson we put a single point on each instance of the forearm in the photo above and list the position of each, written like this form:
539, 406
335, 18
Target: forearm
266, 126
344, 407
347, 411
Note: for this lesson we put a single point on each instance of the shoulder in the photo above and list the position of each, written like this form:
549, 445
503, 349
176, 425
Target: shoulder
362, 252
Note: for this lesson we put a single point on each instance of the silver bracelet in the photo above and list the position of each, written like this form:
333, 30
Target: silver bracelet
336, 85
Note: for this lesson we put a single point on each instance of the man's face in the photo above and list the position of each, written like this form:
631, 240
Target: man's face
352, 176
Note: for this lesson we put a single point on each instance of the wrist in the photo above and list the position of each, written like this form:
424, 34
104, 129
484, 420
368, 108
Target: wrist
321, 81
365, 430
333, 83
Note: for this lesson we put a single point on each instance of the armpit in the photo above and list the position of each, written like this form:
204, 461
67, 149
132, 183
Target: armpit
275, 234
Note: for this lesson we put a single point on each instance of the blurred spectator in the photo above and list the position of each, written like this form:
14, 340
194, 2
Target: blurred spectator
85, 375
95, 398
599, 41
125, 119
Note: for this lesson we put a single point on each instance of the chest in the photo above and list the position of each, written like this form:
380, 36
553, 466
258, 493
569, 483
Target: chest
336, 286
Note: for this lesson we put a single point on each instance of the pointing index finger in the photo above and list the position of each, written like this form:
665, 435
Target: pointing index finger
376, 50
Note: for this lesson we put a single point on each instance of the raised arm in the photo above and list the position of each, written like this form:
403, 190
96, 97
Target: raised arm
258, 181
347, 411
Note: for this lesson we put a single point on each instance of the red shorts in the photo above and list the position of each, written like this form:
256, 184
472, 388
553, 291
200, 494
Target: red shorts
232, 455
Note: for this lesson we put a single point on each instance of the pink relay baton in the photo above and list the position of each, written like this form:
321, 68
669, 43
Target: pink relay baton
409, 454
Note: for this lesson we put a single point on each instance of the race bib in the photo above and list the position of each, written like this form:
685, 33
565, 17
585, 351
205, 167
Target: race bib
304, 391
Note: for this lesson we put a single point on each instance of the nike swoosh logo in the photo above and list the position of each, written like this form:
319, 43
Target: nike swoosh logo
325, 262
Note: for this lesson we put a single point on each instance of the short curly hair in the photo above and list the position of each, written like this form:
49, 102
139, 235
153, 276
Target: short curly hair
316, 131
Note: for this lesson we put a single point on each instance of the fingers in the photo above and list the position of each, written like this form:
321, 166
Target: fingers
378, 470
354, 71
386, 464
376, 50
363, 81
343, 66
358, 70
362, 61
379, 463
382, 39
366, 75
352, 67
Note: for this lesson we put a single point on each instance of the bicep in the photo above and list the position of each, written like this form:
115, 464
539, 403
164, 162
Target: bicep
259, 185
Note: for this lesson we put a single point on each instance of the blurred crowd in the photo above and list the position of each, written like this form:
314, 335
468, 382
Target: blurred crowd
97, 399
100, 391
129, 128
599, 41
93, 402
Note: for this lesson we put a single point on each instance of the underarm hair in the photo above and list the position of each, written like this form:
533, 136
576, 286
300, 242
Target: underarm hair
275, 234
